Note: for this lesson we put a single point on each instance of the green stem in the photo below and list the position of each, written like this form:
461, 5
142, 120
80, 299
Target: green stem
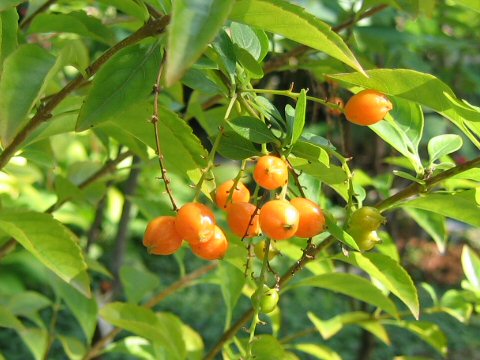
213, 151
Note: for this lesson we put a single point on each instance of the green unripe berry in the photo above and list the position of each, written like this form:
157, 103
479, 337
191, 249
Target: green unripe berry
366, 218
265, 299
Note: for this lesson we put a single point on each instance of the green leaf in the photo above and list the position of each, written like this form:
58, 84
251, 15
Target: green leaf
433, 224
8, 34
21, 84
74, 348
267, 347
353, 286
328, 328
318, 351
390, 273
163, 329
454, 303
338, 233
82, 308
253, 40
461, 205
420, 88
77, 22
471, 4
331, 174
130, 7
254, 69
50, 242
9, 320
126, 79
442, 145
427, 331
296, 118
193, 343
136, 346
252, 129
7, 4
231, 282
27, 303
137, 283
235, 147
471, 266
310, 151
193, 24
280, 17
227, 60
36, 340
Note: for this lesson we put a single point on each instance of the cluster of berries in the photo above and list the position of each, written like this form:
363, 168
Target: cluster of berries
278, 219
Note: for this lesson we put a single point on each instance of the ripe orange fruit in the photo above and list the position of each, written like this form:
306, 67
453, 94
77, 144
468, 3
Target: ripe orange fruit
240, 194
367, 107
312, 220
279, 219
214, 248
271, 172
160, 237
195, 222
239, 218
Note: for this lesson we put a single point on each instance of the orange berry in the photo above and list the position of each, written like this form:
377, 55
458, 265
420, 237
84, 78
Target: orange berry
240, 194
239, 218
271, 172
160, 237
279, 219
312, 220
337, 101
367, 107
195, 222
214, 248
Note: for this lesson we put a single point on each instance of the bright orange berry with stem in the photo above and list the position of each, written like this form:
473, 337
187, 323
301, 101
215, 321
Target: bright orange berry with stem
279, 219
367, 107
195, 222
312, 220
161, 237
243, 220
270, 172
238, 194
214, 248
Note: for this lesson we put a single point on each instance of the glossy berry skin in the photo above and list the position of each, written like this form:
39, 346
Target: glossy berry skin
279, 219
239, 218
270, 172
161, 237
365, 239
312, 220
240, 194
367, 107
265, 299
195, 222
367, 218
214, 248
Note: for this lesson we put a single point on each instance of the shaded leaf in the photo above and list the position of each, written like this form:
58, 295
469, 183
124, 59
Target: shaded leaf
390, 273
8, 33
461, 205
235, 147
36, 340
126, 79
134, 8
137, 283
50, 242
193, 24
471, 266
267, 347
21, 84
433, 224
318, 351
231, 282
351, 285
74, 348
253, 40
252, 129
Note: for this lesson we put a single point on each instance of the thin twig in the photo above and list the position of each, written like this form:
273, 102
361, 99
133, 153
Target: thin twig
44, 112
161, 160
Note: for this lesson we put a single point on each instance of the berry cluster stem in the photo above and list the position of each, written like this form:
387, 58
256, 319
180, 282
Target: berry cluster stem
213, 151
161, 160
